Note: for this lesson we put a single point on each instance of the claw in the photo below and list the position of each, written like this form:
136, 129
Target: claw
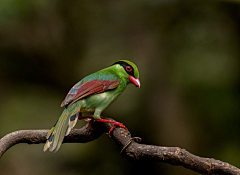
87, 117
115, 125
109, 133
90, 124
102, 120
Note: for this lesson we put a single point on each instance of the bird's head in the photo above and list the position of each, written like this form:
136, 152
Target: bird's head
129, 71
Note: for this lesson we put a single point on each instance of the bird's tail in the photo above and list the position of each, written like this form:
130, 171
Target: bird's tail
62, 128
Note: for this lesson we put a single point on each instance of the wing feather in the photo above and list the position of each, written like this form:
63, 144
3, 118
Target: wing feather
87, 89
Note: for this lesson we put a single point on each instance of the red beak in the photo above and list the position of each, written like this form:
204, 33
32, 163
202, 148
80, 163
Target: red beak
135, 81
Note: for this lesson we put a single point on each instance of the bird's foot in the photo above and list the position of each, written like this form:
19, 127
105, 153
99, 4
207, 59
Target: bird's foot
112, 122
89, 118
102, 120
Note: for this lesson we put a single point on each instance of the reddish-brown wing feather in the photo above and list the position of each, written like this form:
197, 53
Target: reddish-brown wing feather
91, 88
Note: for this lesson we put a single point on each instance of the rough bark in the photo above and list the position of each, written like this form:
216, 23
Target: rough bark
132, 150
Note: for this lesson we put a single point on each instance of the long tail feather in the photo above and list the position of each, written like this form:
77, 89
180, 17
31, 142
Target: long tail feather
49, 141
49, 138
65, 123
57, 131
73, 120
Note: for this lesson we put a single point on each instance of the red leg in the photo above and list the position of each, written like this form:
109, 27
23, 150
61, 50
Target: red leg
90, 124
112, 122
111, 130
87, 117
103, 120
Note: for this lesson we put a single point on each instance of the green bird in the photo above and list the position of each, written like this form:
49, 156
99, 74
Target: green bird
94, 93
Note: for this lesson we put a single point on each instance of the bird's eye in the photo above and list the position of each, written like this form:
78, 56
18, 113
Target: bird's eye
128, 68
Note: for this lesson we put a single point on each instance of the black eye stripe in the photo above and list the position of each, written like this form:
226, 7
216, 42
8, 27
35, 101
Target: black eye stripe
124, 65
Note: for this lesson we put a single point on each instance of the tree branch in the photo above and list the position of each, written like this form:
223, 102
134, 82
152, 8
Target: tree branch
132, 151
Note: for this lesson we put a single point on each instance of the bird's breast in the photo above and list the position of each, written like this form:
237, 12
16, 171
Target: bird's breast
98, 101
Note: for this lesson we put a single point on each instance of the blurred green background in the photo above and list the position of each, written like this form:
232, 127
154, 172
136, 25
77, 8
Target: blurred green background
188, 56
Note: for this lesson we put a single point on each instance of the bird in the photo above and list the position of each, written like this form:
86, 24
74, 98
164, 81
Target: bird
94, 94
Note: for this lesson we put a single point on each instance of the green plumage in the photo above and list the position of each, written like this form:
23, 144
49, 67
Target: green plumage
95, 102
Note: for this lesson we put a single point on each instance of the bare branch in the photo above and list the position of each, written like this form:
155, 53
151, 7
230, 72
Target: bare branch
82, 135
133, 151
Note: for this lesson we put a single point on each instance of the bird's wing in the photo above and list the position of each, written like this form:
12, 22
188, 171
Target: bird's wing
82, 90
69, 119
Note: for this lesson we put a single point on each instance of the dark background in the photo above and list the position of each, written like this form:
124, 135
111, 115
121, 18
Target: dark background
188, 56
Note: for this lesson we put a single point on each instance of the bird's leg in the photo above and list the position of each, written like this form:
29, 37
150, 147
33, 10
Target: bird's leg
87, 117
112, 122
103, 120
